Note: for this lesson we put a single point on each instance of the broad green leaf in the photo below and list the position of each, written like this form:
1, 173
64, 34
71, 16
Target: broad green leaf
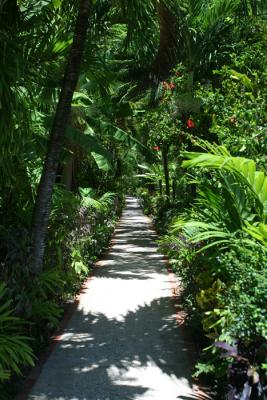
90, 144
243, 169
102, 161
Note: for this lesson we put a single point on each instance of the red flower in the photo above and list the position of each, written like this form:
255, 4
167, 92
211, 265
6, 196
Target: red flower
157, 148
168, 86
190, 124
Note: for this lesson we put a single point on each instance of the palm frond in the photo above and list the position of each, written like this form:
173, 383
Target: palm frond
242, 168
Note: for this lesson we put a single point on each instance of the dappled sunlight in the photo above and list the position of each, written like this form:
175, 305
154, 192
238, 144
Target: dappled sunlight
138, 357
123, 341
136, 374
133, 249
124, 257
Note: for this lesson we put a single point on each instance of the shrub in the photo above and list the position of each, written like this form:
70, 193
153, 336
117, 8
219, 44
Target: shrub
14, 346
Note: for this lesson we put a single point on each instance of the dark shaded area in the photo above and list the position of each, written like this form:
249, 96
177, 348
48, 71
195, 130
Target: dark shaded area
167, 51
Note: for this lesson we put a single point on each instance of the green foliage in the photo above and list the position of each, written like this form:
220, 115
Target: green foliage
218, 248
241, 197
81, 227
235, 108
229, 206
43, 298
215, 221
15, 351
90, 144
245, 297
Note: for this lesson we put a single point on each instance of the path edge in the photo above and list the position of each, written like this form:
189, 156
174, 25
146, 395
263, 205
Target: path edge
34, 374
199, 391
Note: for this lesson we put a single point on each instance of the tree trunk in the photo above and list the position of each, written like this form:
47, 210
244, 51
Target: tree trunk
44, 195
173, 188
166, 170
9, 13
67, 174
160, 187
166, 54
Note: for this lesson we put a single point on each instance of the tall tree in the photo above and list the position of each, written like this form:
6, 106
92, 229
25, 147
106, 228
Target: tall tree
45, 188
167, 50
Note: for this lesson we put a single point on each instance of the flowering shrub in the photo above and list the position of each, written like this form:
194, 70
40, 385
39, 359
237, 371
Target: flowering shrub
234, 113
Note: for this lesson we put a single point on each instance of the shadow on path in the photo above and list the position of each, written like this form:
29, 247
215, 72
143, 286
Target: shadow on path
123, 342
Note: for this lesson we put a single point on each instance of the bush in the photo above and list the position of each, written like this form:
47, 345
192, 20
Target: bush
218, 248
80, 228
15, 351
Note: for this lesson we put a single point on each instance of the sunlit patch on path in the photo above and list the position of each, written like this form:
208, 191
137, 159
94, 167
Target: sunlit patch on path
123, 342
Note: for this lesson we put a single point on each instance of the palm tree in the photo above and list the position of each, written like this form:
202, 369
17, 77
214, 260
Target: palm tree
167, 49
45, 188
195, 32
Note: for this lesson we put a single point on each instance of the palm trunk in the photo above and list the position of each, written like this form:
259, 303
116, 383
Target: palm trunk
9, 13
165, 57
44, 195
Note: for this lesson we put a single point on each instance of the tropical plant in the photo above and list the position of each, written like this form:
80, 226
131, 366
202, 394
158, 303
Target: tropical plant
236, 206
45, 188
219, 249
15, 351
233, 113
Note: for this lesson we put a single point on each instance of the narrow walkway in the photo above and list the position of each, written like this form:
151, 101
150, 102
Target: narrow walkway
123, 342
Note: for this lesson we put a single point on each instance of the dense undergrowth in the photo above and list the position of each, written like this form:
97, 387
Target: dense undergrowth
217, 247
32, 306
213, 229
210, 209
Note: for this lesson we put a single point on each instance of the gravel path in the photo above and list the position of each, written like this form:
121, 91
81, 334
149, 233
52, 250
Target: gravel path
122, 343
